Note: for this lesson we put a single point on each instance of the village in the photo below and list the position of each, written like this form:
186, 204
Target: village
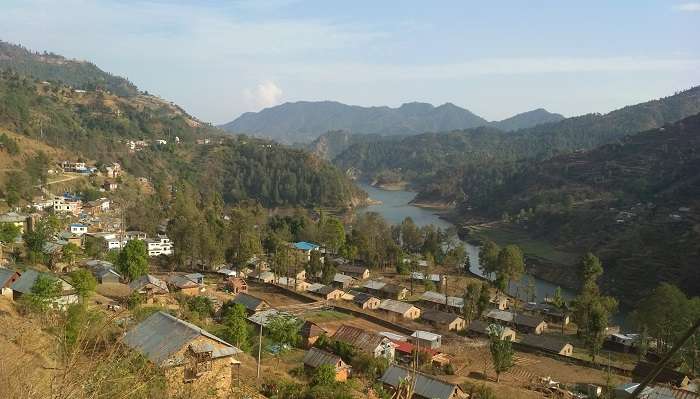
394, 335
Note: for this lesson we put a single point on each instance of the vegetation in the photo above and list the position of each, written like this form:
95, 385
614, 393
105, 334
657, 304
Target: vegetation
132, 261
44, 292
501, 350
83, 282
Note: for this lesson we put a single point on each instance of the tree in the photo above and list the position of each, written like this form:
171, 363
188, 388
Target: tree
328, 274
44, 292
9, 232
69, 253
132, 261
236, 326
84, 283
284, 330
411, 237
511, 265
501, 350
470, 311
315, 266
201, 305
324, 375
488, 258
332, 233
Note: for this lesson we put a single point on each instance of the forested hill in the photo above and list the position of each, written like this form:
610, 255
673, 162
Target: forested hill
304, 121
96, 125
435, 163
52, 67
635, 202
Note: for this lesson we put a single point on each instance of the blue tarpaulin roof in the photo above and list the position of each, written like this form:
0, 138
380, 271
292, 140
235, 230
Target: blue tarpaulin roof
305, 246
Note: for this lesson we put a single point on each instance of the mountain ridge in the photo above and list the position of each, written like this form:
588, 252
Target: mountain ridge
305, 121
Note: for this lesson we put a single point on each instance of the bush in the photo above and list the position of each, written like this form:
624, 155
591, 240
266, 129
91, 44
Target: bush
449, 369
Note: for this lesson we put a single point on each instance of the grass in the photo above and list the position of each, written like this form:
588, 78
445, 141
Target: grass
326, 316
502, 235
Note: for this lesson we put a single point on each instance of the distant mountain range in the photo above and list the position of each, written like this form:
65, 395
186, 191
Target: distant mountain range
53, 67
304, 121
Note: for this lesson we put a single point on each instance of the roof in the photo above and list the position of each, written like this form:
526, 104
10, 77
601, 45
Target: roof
264, 317
439, 316
5, 275
479, 326
420, 276
315, 357
374, 285
77, 225
666, 375
426, 335
361, 298
395, 306
311, 329
393, 336
517, 319
550, 344
326, 289
194, 276
305, 246
143, 281
343, 278
27, 278
248, 301
106, 271
162, 335
352, 269
314, 287
393, 288
227, 272
12, 217
425, 385
438, 298
358, 338
408, 348
182, 282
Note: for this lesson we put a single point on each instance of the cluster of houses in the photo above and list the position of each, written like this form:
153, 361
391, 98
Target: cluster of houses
139, 145
14, 284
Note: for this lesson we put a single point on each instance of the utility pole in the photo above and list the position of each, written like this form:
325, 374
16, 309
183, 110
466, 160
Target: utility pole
259, 351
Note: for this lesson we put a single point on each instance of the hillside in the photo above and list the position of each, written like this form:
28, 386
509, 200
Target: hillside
635, 202
52, 67
98, 125
304, 121
435, 163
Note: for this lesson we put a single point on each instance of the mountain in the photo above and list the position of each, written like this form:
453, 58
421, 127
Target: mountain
435, 164
526, 120
52, 67
305, 121
634, 202
330, 144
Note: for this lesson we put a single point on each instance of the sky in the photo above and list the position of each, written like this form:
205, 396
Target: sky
220, 58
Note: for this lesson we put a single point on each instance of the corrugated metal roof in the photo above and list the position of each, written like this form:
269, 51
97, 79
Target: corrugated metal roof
249, 302
438, 298
139, 283
182, 282
315, 357
161, 335
5, 275
264, 317
305, 246
425, 386
374, 285
426, 335
395, 306
358, 338
343, 278
439, 316
361, 298
547, 343
27, 278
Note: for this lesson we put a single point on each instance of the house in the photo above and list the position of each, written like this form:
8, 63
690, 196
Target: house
405, 352
358, 272
315, 358
310, 332
7, 278
550, 312
435, 278
306, 248
330, 292
161, 245
105, 276
366, 301
523, 323
97, 207
186, 353
343, 281
110, 185
71, 238
264, 317
227, 272
198, 278
374, 287
135, 235
665, 376
424, 387
263, 277
15, 219
426, 339
113, 170
365, 341
394, 291
251, 303
438, 301
295, 284
74, 167
23, 285
149, 286
397, 309
184, 285
548, 344
443, 321
480, 327
236, 285
67, 205
499, 301
78, 229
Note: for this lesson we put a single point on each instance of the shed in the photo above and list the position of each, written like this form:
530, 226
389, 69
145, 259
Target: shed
425, 386
184, 285
315, 358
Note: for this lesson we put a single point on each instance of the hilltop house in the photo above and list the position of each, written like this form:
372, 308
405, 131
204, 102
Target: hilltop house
161, 245
315, 358
187, 353
292, 283
424, 387
548, 311
364, 341
184, 285
443, 320
306, 248
23, 285
103, 271
110, 185
78, 229
329, 292
396, 309
150, 286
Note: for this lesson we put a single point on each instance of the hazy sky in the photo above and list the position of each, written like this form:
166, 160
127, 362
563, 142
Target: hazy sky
496, 58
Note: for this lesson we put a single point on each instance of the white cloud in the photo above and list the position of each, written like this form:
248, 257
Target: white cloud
688, 7
266, 94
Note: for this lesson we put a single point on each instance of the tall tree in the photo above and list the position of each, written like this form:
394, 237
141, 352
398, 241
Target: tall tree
488, 258
501, 350
236, 326
511, 265
84, 283
132, 261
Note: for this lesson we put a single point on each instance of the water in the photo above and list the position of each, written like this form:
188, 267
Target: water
395, 208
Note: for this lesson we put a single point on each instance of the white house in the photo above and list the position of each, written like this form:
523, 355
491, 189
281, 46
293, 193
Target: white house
78, 229
161, 245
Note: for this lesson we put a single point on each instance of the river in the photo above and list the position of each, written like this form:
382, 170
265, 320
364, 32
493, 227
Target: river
395, 208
